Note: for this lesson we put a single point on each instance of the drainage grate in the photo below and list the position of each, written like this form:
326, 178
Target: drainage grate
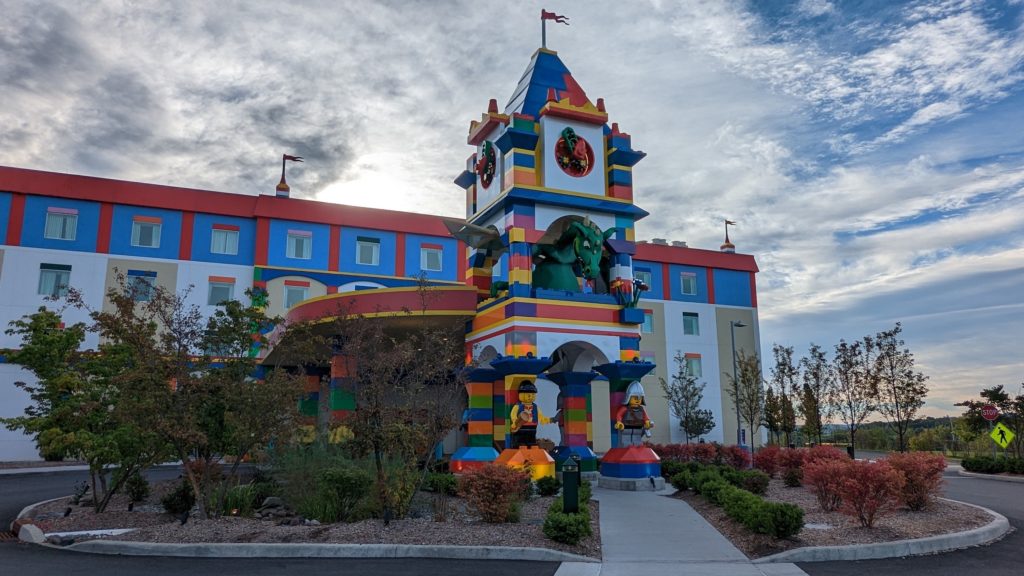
8, 536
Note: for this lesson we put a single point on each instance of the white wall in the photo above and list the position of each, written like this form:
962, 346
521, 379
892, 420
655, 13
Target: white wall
554, 177
197, 275
704, 344
15, 446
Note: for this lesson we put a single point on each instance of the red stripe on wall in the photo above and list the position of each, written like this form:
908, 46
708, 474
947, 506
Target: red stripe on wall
226, 227
334, 249
710, 273
222, 279
462, 260
103, 233
434, 246
400, 254
296, 283
188, 220
14, 222
666, 283
150, 219
753, 291
262, 240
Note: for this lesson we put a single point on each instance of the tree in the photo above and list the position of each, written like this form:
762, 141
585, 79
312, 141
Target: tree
899, 389
684, 396
817, 385
852, 394
407, 379
784, 376
772, 413
77, 405
747, 391
203, 409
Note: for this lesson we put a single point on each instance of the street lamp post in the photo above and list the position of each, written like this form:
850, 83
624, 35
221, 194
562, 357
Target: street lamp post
733, 325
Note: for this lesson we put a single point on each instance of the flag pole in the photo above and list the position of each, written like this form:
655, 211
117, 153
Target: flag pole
543, 33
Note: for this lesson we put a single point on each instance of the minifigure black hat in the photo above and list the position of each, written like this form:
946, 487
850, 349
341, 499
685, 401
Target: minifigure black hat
528, 386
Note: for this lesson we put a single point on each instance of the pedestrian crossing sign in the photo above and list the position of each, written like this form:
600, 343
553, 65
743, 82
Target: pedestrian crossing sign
1002, 435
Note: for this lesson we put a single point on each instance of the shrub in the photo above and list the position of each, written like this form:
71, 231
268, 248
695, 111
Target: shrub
825, 479
180, 500
716, 490
767, 460
137, 487
786, 519
791, 458
585, 492
442, 483
870, 489
494, 491
240, 500
755, 481
817, 453
792, 477
735, 456
672, 467
548, 486
704, 477
922, 475
566, 527
673, 452
682, 480
339, 490
705, 453
776, 519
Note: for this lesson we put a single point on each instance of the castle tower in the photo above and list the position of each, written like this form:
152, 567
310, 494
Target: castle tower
550, 229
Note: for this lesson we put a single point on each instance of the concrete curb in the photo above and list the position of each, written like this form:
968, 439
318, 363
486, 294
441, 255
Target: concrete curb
28, 509
932, 544
995, 477
217, 550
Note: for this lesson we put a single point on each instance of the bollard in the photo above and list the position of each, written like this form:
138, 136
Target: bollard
570, 486
579, 475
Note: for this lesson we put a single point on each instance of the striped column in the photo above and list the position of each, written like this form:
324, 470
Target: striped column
479, 448
513, 372
577, 419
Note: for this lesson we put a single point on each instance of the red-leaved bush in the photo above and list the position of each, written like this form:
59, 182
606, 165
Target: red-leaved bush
495, 491
922, 475
870, 489
825, 478
767, 460
792, 458
735, 456
817, 453
702, 453
705, 453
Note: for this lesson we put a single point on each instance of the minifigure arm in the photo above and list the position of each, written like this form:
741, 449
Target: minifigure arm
514, 418
618, 417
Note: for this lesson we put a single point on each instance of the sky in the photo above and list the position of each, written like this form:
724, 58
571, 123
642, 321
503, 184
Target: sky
871, 152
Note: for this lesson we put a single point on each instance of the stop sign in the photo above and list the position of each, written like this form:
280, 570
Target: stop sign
989, 412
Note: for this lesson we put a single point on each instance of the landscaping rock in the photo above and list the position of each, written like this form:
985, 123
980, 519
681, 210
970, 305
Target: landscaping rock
272, 502
31, 533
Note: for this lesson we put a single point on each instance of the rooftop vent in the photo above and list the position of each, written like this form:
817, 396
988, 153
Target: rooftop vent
679, 244
659, 241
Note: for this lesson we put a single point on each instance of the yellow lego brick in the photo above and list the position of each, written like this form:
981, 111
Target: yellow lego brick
517, 235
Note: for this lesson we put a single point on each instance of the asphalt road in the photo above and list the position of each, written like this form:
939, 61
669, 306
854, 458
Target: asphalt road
1002, 558
16, 558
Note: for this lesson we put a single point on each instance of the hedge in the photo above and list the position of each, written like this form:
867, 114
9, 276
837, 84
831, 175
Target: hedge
991, 465
720, 487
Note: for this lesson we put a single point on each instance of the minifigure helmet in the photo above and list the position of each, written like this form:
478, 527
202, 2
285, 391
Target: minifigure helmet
528, 386
635, 389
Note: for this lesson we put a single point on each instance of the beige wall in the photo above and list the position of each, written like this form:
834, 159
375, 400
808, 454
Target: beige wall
166, 275
657, 406
275, 293
746, 342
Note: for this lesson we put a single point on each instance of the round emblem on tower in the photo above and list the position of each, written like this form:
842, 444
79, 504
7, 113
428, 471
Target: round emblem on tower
485, 165
573, 154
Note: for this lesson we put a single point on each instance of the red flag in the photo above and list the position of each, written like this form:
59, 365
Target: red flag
293, 158
545, 15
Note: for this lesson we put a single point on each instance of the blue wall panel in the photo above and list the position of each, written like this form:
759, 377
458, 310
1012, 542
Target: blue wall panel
656, 292
449, 262
5, 214
732, 288
202, 233
121, 232
277, 253
675, 281
35, 224
385, 264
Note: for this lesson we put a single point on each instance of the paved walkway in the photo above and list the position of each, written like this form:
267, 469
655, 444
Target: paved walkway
650, 534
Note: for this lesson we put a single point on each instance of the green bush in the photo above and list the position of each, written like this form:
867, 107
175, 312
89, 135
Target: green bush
705, 476
755, 481
682, 480
442, 483
241, 500
566, 528
787, 519
586, 492
137, 487
180, 500
548, 486
792, 477
670, 468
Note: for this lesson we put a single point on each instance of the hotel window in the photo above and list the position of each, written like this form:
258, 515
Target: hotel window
220, 292
691, 324
146, 233
300, 244
688, 281
54, 279
643, 276
367, 251
295, 294
648, 325
61, 224
430, 259
224, 241
693, 367
140, 284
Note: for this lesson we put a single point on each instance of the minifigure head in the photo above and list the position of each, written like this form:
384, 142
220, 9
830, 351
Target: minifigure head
527, 392
635, 395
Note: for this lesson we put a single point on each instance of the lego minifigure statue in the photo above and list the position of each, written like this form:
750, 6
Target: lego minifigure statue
526, 415
631, 419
